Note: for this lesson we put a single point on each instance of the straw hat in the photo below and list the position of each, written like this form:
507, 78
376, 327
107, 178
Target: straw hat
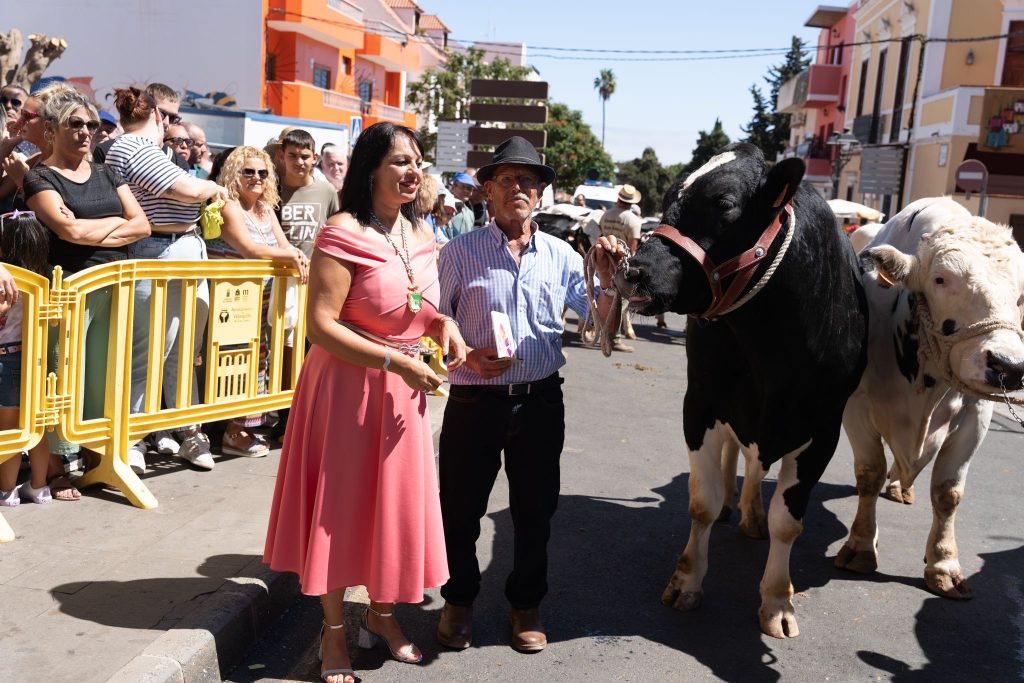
629, 194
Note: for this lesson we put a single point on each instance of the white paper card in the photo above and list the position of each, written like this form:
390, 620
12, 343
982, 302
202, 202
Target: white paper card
503, 341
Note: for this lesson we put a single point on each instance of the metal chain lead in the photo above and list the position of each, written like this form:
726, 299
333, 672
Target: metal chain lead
1006, 400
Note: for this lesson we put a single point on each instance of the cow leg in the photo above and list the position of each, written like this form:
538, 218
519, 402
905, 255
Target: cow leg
753, 521
684, 590
860, 552
730, 456
776, 614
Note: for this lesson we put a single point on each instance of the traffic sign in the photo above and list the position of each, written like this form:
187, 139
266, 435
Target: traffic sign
972, 176
355, 128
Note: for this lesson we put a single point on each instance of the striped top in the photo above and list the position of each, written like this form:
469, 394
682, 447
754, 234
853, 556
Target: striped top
478, 275
149, 174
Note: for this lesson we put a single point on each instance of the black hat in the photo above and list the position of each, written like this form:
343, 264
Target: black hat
516, 150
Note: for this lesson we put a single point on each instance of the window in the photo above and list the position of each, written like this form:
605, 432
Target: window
346, 66
836, 54
366, 91
901, 87
877, 105
321, 77
861, 87
1013, 64
271, 68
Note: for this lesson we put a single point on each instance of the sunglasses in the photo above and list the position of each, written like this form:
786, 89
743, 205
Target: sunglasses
252, 173
13, 101
525, 182
77, 125
172, 118
178, 142
27, 115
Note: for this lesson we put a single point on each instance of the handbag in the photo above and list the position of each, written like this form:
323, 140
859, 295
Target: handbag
210, 219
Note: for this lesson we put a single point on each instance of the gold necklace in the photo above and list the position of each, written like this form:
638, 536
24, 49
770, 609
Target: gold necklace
415, 298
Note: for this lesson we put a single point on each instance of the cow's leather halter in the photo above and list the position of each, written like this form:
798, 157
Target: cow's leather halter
742, 266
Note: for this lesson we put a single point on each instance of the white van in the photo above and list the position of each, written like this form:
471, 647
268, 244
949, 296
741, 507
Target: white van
597, 196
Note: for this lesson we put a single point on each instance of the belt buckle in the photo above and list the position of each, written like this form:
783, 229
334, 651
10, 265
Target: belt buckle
513, 391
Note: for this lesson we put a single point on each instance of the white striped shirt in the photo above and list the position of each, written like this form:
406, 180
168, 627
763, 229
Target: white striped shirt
149, 174
478, 275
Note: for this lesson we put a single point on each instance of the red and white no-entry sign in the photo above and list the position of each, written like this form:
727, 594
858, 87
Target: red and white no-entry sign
972, 176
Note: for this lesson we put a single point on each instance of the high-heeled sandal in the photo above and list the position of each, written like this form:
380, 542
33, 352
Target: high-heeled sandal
368, 639
320, 653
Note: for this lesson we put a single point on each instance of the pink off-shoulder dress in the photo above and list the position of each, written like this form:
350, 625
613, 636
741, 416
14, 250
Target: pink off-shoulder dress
356, 499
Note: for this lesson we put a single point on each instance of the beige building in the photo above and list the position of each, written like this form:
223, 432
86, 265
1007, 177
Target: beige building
916, 120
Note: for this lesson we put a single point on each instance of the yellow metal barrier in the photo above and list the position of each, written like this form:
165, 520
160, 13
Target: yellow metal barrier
35, 414
231, 357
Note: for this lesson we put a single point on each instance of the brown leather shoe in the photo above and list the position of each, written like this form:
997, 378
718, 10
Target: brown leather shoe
527, 631
455, 628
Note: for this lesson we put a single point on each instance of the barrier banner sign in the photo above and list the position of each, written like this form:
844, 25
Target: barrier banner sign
235, 311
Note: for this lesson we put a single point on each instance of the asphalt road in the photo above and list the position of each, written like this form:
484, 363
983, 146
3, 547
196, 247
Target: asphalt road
622, 522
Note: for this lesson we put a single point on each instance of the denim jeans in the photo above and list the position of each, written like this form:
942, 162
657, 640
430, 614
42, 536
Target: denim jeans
186, 248
478, 425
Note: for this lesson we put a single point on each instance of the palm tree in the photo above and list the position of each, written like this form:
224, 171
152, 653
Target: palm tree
605, 84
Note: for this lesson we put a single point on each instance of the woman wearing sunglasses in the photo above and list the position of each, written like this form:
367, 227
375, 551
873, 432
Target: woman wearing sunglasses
251, 230
26, 127
92, 217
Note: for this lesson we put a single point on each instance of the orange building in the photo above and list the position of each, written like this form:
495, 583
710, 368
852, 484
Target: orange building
339, 60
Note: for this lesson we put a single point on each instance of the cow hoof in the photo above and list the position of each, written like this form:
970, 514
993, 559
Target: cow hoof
757, 529
897, 493
860, 561
778, 624
688, 600
725, 514
949, 586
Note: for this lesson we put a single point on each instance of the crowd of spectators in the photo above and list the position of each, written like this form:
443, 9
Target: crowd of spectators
99, 186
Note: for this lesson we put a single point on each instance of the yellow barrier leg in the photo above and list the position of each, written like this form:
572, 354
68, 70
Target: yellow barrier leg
114, 471
6, 532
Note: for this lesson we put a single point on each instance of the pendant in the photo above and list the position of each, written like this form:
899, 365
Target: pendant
415, 302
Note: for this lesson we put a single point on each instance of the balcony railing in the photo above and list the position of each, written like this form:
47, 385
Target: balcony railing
385, 29
384, 111
347, 8
816, 86
341, 101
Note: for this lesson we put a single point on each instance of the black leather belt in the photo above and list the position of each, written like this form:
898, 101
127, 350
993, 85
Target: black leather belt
505, 390
173, 236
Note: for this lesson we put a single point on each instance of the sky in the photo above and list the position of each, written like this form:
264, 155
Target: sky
658, 104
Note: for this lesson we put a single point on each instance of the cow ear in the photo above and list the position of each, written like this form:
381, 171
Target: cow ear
782, 182
892, 266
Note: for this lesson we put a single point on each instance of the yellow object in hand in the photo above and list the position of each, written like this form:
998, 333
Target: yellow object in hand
210, 219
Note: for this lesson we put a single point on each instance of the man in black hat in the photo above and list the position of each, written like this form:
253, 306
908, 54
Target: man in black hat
508, 281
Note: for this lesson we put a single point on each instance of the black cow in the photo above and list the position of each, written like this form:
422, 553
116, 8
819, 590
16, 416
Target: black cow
771, 360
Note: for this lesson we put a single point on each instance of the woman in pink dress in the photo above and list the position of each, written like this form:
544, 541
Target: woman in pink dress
356, 501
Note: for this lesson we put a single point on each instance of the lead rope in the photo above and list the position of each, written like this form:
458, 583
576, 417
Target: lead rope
768, 273
936, 346
606, 327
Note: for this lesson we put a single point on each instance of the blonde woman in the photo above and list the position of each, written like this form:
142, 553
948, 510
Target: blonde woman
252, 231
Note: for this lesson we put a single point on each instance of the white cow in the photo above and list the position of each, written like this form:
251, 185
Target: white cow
945, 331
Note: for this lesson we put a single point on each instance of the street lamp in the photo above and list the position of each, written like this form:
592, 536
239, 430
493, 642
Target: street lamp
846, 144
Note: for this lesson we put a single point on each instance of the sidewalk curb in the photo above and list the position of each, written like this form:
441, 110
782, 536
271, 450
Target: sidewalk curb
213, 638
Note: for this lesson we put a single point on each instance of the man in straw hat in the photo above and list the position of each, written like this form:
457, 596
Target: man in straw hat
620, 222
507, 402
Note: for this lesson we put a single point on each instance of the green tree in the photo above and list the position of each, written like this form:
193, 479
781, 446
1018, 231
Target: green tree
769, 129
572, 148
442, 92
759, 130
647, 175
605, 85
707, 145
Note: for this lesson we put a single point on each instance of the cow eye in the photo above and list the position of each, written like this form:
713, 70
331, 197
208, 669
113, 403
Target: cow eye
940, 280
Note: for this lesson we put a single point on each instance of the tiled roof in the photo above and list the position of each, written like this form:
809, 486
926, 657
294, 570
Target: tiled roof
403, 4
432, 21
